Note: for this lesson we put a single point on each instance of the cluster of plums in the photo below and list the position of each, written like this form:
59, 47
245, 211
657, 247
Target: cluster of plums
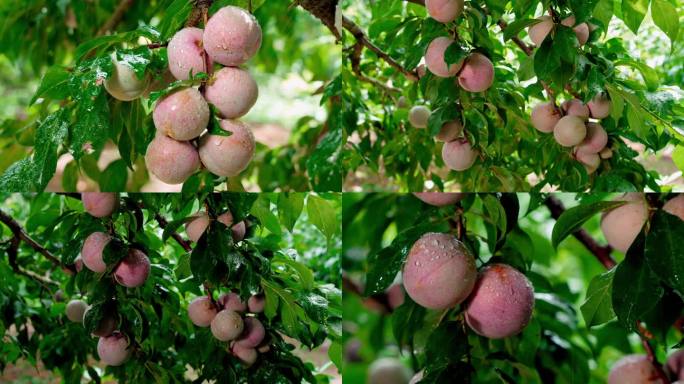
231, 37
545, 25
199, 222
457, 153
571, 128
132, 271
622, 225
638, 369
234, 321
440, 273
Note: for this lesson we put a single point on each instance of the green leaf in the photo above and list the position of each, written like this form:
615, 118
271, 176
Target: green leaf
665, 16
322, 214
678, 157
447, 343
408, 317
262, 210
633, 13
663, 252
572, 219
290, 206
53, 85
114, 177
598, 306
515, 27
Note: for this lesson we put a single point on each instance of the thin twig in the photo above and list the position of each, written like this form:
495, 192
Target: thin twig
652, 358
355, 60
116, 17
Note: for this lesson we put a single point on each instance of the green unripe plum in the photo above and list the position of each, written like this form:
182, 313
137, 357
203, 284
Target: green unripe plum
248, 356
501, 303
458, 155
253, 333
633, 369
599, 107
233, 302
477, 74
256, 303
185, 53
419, 116
75, 310
92, 249
124, 84
388, 370
540, 30
182, 115
133, 270
233, 91
201, 311
545, 116
622, 225
675, 206
227, 325
439, 272
232, 36
113, 350
434, 58
450, 131
591, 161
100, 204
402, 102
439, 199
228, 155
570, 131
444, 11
577, 108
596, 139
171, 161
581, 30
106, 326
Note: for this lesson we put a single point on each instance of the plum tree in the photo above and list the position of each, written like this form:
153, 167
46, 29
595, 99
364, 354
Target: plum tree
675, 364
599, 107
227, 325
570, 131
133, 270
75, 310
622, 225
596, 139
444, 11
419, 116
201, 311
100, 204
439, 199
232, 301
591, 161
545, 116
182, 115
439, 272
107, 324
435, 61
256, 303
633, 369
253, 333
501, 303
171, 161
185, 53
232, 91
124, 84
248, 356
114, 349
581, 30
232, 36
228, 155
540, 30
675, 206
458, 155
477, 74
450, 131
574, 107
92, 249
388, 370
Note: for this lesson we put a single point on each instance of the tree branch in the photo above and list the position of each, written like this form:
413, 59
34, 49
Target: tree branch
601, 252
116, 17
652, 357
19, 233
325, 11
